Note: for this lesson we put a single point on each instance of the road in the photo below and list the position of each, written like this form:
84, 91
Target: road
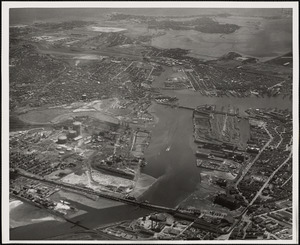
274, 211
256, 157
188, 226
243, 215
287, 181
269, 179
150, 73
122, 71
280, 135
224, 125
203, 83
190, 81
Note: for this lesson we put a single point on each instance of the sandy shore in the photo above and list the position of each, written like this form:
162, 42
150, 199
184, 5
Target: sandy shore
24, 214
97, 203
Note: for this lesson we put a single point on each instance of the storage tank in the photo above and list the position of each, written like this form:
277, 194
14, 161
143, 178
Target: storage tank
77, 127
72, 134
62, 139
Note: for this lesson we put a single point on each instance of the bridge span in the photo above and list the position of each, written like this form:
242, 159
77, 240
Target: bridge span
110, 196
179, 213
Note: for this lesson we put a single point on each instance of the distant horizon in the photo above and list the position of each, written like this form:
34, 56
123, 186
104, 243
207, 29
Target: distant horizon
21, 15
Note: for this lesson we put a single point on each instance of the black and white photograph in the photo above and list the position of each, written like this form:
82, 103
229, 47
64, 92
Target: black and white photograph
150, 122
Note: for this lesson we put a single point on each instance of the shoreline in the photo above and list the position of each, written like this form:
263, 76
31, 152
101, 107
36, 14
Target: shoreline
150, 111
20, 222
20, 117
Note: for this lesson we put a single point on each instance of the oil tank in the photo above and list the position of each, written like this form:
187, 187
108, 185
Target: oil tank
72, 134
77, 127
62, 139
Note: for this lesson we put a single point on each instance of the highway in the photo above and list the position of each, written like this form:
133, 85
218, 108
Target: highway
122, 71
269, 179
256, 157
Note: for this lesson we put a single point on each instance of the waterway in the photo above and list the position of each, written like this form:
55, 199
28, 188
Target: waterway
91, 219
257, 37
170, 158
192, 99
176, 169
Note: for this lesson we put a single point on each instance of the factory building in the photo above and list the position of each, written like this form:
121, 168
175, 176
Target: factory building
227, 201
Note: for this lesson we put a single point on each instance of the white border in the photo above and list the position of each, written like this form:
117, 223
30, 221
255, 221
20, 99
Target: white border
151, 4
140, 4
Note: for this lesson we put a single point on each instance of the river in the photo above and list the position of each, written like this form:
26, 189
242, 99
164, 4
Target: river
91, 219
176, 169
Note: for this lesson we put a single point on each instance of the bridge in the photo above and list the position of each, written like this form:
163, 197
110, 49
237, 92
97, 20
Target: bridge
179, 213
86, 190
195, 110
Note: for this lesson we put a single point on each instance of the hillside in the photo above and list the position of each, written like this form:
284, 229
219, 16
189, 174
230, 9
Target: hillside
283, 60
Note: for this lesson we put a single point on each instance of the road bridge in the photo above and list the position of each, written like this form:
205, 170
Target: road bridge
179, 213
67, 186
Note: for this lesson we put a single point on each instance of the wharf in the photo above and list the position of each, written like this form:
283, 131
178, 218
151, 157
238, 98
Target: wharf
115, 172
207, 164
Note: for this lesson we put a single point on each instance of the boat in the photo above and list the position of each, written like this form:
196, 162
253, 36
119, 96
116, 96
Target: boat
168, 148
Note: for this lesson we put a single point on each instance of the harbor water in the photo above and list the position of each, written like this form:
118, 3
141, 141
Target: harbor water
170, 158
171, 153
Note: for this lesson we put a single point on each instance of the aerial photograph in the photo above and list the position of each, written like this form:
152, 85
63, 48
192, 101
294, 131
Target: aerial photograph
151, 124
